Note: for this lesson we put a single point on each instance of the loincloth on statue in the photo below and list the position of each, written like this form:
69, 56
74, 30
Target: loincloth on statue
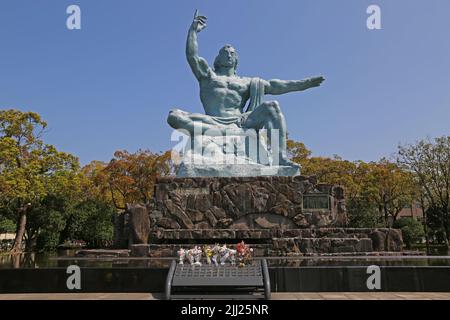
238, 121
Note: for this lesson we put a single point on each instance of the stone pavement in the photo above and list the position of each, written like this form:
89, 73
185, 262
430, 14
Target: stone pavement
275, 296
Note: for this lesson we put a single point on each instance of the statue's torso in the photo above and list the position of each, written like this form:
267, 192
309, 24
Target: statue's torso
224, 96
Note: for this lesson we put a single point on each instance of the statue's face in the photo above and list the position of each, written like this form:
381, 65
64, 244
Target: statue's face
227, 57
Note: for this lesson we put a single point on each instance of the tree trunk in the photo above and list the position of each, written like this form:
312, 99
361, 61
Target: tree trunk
29, 242
425, 224
386, 213
20, 231
446, 226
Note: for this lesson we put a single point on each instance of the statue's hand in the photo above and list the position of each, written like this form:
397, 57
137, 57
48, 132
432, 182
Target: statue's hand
316, 81
199, 22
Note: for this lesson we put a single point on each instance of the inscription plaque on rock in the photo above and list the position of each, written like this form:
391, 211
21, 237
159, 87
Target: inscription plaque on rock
191, 191
316, 201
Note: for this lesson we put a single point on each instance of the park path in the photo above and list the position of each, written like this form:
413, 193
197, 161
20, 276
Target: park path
275, 296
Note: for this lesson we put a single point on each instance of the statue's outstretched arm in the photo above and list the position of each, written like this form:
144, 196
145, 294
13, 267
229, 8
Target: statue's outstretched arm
198, 65
276, 86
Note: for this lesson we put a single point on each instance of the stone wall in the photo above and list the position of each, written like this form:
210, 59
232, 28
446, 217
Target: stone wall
285, 242
132, 227
278, 216
246, 203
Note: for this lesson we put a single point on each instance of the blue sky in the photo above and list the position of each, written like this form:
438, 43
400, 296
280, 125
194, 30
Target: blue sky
110, 85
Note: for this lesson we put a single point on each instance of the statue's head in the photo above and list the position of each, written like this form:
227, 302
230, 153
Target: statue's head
227, 58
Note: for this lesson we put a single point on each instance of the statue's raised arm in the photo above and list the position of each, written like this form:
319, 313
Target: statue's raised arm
198, 65
276, 86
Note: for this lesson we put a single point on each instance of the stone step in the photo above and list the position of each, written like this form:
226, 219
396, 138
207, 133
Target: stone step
102, 253
282, 246
328, 232
211, 234
187, 234
282, 242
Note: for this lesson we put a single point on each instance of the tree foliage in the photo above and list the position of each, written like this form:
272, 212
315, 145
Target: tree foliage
6, 225
412, 230
91, 221
29, 168
375, 191
429, 162
131, 176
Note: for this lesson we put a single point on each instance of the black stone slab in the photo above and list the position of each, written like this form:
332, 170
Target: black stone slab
283, 279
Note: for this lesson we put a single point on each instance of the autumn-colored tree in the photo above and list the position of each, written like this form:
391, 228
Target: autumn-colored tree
334, 171
390, 187
327, 170
297, 151
382, 185
95, 182
131, 176
29, 169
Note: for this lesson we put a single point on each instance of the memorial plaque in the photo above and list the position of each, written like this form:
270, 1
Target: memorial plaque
191, 191
316, 201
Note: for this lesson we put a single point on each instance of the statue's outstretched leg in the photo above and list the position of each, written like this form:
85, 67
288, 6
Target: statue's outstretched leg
194, 123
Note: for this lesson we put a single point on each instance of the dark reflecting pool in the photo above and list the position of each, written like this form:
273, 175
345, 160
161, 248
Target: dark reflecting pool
360, 261
64, 258
29, 273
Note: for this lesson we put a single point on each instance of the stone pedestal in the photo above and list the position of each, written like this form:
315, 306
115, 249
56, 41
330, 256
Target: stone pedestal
139, 250
242, 170
277, 216
139, 223
239, 153
244, 203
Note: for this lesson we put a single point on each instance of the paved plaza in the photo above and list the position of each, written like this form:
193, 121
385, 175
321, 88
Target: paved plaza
275, 296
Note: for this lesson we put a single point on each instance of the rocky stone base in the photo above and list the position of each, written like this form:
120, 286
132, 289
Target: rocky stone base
279, 216
139, 250
246, 203
102, 253
282, 242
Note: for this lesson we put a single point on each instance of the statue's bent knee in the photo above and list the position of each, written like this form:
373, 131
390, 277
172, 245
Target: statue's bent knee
273, 107
174, 118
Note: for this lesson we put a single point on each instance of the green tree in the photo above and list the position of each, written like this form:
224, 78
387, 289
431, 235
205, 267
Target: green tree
389, 187
7, 225
412, 230
29, 169
93, 222
429, 161
51, 225
362, 213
